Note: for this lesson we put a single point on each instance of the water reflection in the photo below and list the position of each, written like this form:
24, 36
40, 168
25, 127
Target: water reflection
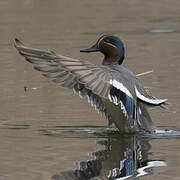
124, 157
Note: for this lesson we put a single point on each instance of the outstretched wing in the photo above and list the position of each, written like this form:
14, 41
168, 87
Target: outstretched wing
67, 72
86, 79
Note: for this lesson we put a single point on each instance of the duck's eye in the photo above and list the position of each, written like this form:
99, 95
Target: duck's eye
107, 40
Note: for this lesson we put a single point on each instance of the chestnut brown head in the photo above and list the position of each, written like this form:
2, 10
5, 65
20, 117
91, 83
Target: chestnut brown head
111, 46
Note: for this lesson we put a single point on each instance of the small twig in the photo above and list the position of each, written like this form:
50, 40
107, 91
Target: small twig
144, 73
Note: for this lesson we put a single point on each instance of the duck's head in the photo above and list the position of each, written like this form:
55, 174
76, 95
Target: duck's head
112, 48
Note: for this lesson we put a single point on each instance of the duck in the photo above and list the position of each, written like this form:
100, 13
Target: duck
111, 88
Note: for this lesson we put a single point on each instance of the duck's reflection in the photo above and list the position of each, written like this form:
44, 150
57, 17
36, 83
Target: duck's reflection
122, 158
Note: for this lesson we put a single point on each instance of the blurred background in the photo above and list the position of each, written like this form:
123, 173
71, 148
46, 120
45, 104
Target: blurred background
151, 32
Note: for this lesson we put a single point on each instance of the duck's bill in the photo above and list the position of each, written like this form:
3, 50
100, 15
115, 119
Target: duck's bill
94, 48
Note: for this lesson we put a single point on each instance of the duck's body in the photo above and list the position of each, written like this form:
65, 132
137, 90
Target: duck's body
111, 88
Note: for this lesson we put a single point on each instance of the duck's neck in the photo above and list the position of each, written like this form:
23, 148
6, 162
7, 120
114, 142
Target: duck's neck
115, 59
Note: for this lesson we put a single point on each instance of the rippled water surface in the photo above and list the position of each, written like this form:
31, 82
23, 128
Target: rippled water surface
47, 132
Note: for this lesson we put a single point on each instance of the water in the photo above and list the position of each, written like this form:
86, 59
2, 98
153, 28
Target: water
49, 133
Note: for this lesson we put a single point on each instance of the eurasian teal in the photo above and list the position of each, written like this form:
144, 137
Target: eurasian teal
110, 88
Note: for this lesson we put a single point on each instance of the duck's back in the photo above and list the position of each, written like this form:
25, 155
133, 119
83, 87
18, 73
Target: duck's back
128, 79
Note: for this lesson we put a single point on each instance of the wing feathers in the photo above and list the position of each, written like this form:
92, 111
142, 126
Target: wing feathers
32, 51
64, 70
46, 68
55, 74
127, 104
84, 78
149, 100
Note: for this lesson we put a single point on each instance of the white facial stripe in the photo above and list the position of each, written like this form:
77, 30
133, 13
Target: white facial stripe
110, 44
121, 87
148, 100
